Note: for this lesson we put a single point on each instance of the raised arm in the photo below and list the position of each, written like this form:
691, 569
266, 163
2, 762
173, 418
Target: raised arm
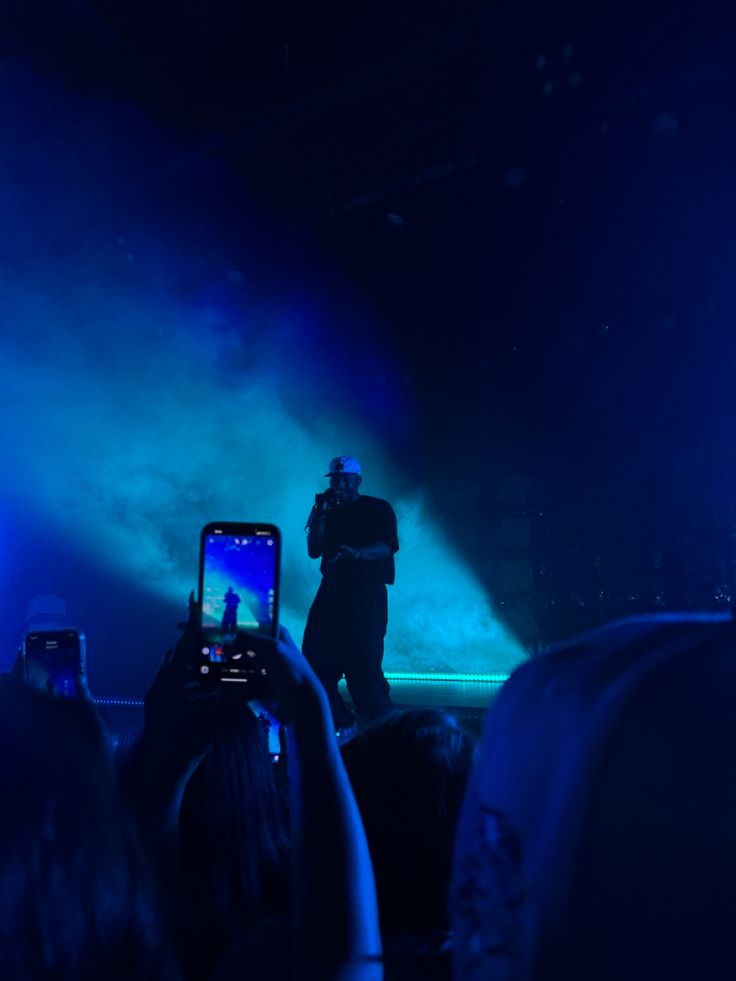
335, 914
316, 533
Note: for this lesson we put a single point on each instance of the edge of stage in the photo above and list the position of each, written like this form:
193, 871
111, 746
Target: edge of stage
467, 697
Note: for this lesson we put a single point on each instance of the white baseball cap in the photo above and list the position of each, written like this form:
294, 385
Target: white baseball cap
343, 464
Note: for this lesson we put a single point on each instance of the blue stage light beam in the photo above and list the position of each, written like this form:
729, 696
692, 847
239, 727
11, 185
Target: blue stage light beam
134, 451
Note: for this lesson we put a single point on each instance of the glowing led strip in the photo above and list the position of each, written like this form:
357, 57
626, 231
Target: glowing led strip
483, 679
132, 702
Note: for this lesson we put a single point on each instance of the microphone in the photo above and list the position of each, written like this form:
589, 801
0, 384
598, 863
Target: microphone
325, 500
322, 504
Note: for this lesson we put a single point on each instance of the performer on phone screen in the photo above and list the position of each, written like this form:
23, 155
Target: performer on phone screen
230, 616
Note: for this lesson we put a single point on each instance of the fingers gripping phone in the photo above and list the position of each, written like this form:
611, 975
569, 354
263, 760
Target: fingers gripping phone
239, 571
56, 661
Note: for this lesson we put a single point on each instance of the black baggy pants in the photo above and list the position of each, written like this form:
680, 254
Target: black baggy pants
344, 637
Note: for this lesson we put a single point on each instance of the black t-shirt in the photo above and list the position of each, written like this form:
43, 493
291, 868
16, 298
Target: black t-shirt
363, 522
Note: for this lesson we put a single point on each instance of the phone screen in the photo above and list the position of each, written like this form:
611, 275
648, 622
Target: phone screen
55, 661
239, 585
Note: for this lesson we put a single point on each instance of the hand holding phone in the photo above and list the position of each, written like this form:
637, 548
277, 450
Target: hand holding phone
181, 715
297, 692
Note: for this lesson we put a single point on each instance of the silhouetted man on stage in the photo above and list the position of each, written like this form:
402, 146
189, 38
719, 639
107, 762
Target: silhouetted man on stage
356, 538
230, 616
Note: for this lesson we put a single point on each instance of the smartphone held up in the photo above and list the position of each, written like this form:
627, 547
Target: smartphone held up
55, 661
239, 571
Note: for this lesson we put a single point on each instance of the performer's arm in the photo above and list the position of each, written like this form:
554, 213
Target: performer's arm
378, 550
367, 553
316, 533
384, 546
